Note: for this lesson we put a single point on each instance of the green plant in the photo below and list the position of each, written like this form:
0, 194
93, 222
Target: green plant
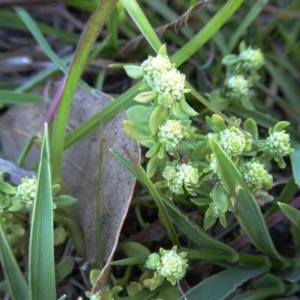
212, 153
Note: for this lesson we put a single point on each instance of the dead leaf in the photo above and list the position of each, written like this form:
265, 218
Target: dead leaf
80, 169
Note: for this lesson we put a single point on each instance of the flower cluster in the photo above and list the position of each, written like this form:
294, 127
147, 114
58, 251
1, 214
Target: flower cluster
153, 67
168, 264
26, 191
251, 59
256, 176
234, 141
172, 133
237, 87
278, 143
182, 175
164, 79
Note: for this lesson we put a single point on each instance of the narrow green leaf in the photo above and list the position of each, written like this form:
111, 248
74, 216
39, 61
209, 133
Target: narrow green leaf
94, 26
245, 23
138, 16
17, 286
138, 171
295, 160
41, 248
291, 213
220, 285
247, 210
197, 234
260, 294
10, 97
206, 32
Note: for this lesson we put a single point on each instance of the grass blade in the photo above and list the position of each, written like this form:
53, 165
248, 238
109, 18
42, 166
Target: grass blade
9, 97
252, 15
17, 286
78, 64
41, 252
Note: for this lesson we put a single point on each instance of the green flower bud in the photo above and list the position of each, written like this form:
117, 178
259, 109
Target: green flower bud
238, 87
170, 86
154, 66
26, 191
278, 143
173, 265
172, 133
251, 59
153, 261
256, 175
184, 175
234, 141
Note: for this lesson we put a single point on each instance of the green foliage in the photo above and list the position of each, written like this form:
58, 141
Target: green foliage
207, 160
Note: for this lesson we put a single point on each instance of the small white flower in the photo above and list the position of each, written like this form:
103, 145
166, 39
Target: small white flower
154, 66
278, 143
234, 141
184, 175
170, 86
172, 132
173, 265
237, 86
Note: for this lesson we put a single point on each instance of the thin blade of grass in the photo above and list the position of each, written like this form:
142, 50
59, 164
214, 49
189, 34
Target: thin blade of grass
207, 32
35, 31
198, 235
138, 171
15, 281
142, 23
247, 210
218, 286
250, 17
78, 64
9, 97
41, 245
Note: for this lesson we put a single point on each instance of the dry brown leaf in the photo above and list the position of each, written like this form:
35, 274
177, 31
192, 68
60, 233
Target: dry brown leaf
80, 168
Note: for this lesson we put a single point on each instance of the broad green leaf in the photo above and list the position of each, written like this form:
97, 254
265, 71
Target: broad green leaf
133, 71
280, 126
139, 114
41, 247
247, 210
15, 281
132, 249
220, 285
157, 117
251, 127
7, 188
64, 268
63, 201
136, 131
